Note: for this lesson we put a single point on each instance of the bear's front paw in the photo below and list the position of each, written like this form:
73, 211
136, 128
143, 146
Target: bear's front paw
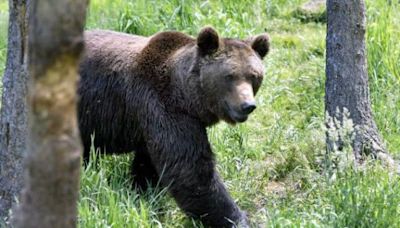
243, 221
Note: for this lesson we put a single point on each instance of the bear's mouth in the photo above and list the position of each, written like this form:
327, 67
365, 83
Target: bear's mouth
235, 116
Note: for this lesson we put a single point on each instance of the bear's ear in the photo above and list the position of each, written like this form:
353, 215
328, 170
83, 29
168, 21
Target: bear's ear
260, 44
208, 41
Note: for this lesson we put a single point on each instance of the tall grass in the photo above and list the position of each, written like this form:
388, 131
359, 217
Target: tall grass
3, 38
384, 61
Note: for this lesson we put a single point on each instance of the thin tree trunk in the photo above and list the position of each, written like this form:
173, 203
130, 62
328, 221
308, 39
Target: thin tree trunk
347, 76
13, 122
50, 195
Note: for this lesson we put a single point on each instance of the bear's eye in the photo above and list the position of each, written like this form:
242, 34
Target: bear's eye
229, 77
255, 81
252, 77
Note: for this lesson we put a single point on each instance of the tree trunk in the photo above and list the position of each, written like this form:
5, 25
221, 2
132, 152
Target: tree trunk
55, 42
347, 78
13, 120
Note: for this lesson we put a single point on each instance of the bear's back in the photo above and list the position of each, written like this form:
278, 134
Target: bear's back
113, 51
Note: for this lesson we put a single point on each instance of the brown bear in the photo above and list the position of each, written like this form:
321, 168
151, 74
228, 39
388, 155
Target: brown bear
156, 95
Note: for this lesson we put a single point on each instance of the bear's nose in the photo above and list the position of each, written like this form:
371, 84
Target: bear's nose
248, 107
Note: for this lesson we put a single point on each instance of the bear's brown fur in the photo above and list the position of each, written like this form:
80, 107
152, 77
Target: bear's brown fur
156, 96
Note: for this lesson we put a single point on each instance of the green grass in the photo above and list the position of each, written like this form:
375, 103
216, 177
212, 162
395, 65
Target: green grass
274, 165
3, 37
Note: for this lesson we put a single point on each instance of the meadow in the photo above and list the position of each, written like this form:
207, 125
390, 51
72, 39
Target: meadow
274, 165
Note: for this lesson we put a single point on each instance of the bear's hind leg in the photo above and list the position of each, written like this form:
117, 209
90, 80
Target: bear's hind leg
143, 171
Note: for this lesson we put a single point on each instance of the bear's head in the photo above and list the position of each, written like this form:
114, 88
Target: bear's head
231, 72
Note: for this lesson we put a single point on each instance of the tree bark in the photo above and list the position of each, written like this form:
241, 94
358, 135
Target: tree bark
13, 120
347, 76
55, 42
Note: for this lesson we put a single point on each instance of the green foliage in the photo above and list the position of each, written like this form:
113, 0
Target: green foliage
3, 38
274, 165
384, 61
368, 198
107, 197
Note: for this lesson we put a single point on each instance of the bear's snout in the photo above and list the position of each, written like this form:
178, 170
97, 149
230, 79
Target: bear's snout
248, 107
